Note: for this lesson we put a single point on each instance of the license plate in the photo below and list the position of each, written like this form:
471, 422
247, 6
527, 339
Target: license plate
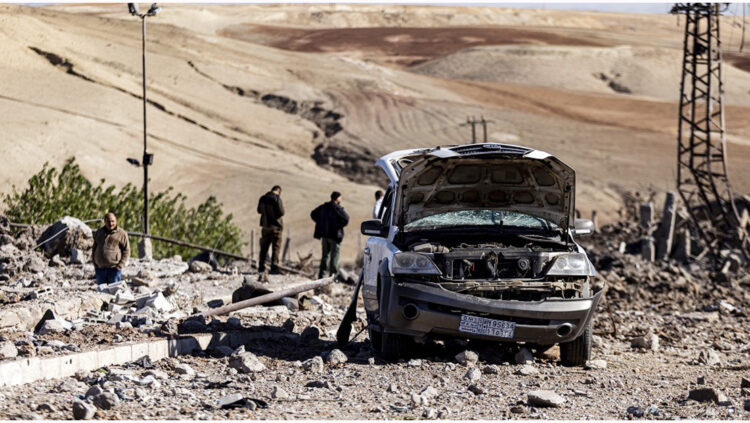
482, 326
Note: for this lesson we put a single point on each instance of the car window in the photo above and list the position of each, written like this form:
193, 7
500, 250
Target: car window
481, 218
385, 207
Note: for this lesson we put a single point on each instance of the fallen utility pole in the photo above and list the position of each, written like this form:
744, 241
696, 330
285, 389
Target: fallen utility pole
269, 297
212, 250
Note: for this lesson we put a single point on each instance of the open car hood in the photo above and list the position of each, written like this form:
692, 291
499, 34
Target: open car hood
481, 177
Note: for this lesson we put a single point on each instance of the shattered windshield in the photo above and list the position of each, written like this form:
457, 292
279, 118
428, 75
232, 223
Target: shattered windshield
481, 218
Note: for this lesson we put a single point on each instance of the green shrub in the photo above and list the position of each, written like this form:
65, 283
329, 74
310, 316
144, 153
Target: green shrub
51, 195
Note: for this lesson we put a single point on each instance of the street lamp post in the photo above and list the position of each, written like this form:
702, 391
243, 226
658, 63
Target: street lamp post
147, 157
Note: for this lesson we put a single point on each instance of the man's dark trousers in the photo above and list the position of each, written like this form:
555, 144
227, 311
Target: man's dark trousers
330, 261
270, 236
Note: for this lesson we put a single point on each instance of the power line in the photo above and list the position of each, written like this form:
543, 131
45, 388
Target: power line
474, 122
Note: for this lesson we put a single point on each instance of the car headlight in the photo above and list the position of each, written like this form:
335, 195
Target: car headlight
407, 263
572, 265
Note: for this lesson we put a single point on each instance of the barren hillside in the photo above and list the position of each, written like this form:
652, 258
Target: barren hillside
307, 96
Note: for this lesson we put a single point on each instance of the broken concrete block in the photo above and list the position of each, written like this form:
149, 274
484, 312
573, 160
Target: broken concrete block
336, 356
200, 267
542, 398
647, 216
246, 362
683, 246
8, 350
65, 234
665, 233
145, 250
50, 323
314, 364
77, 256
467, 358
648, 250
83, 410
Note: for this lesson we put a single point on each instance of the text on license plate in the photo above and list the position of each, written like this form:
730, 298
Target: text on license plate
483, 326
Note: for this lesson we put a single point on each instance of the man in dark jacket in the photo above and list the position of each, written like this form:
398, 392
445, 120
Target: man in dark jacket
330, 219
110, 251
271, 209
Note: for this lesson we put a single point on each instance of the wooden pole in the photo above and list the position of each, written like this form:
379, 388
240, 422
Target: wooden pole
285, 254
269, 297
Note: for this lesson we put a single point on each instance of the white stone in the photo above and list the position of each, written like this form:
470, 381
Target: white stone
467, 358
542, 398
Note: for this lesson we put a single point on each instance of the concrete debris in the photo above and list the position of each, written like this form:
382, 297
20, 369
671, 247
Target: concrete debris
51, 323
65, 234
595, 365
709, 357
467, 358
524, 356
246, 362
94, 391
8, 350
106, 401
636, 411
543, 398
200, 267
279, 393
77, 256
708, 395
184, 369
477, 389
314, 365
335, 357
473, 374
56, 261
527, 370
83, 410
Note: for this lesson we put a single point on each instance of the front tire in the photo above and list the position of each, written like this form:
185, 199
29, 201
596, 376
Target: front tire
578, 351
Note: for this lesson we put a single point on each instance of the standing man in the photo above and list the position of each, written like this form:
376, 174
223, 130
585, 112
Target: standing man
110, 251
330, 219
378, 203
271, 210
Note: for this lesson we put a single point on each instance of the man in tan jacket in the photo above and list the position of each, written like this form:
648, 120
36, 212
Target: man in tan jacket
110, 252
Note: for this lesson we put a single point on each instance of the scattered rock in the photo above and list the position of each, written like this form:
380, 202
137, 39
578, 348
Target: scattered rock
473, 374
56, 261
430, 414
527, 370
83, 410
708, 395
314, 364
46, 407
745, 383
393, 388
595, 365
8, 350
647, 342
94, 391
184, 369
524, 356
106, 401
709, 357
467, 358
158, 374
414, 362
335, 357
542, 398
197, 266
518, 409
636, 411
279, 393
246, 362
477, 390
492, 369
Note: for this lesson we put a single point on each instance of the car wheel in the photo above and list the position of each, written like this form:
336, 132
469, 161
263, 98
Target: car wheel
393, 346
578, 351
376, 337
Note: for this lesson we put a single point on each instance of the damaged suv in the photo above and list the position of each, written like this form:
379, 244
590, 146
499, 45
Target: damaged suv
476, 241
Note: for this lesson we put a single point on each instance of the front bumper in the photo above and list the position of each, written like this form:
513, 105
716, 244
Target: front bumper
433, 310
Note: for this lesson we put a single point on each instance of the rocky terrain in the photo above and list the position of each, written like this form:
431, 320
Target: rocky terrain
671, 341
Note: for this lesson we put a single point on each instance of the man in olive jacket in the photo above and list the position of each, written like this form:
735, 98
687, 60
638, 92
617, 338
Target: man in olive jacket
271, 210
330, 219
110, 251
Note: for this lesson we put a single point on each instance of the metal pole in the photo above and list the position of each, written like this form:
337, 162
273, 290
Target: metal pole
145, 146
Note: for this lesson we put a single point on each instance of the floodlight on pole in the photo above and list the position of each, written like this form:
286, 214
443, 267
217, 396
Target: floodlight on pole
148, 158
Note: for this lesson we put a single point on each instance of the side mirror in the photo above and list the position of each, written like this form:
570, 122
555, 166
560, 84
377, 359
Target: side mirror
374, 227
583, 227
